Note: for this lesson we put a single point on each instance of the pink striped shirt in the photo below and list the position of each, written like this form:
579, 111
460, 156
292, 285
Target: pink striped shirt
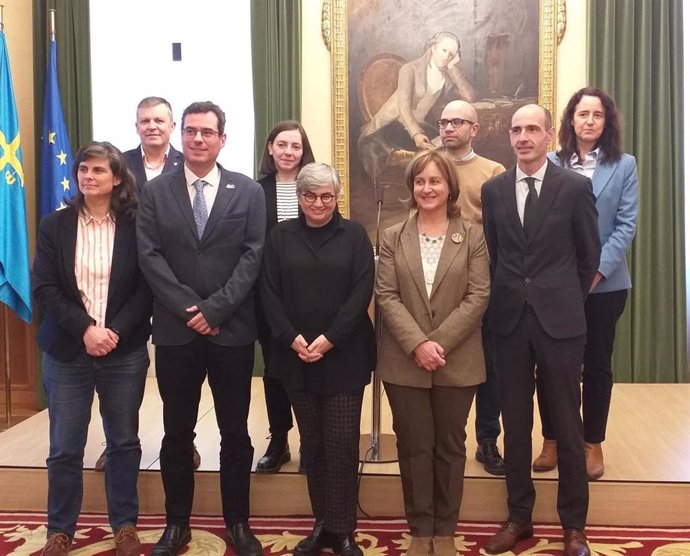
92, 262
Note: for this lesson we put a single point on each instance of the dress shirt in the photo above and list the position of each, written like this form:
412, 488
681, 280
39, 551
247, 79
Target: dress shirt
158, 170
522, 189
587, 166
92, 262
213, 181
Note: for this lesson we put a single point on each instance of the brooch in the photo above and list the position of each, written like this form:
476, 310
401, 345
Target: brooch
456, 238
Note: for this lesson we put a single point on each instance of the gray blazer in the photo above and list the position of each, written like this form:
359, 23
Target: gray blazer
451, 316
216, 273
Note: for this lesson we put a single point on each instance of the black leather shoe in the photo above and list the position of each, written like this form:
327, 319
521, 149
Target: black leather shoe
174, 539
277, 454
345, 545
313, 544
241, 538
488, 454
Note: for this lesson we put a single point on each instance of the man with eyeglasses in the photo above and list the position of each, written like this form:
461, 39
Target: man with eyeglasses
457, 127
200, 233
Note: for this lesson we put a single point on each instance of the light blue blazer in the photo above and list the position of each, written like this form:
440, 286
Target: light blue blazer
615, 190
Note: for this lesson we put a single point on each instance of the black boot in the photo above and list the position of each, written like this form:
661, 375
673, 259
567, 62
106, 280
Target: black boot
277, 454
313, 544
344, 545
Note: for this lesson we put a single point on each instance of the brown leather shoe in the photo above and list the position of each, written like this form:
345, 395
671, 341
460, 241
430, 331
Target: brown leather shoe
508, 536
57, 545
127, 542
419, 546
547, 460
575, 543
444, 546
595, 461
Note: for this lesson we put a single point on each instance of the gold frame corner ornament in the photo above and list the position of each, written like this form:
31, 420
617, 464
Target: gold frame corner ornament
552, 23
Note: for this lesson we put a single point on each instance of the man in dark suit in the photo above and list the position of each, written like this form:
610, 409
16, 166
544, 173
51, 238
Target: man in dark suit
201, 233
155, 155
540, 224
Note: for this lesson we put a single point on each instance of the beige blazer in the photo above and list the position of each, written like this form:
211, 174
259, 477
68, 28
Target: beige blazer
451, 316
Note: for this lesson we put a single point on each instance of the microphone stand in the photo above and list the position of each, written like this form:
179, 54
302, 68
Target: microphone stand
377, 447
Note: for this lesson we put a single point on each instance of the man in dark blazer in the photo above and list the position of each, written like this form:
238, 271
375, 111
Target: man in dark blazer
201, 231
540, 224
155, 155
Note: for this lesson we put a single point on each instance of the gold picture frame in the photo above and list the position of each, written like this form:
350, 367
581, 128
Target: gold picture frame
335, 14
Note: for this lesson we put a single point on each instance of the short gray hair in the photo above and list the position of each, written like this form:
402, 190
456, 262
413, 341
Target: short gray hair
318, 174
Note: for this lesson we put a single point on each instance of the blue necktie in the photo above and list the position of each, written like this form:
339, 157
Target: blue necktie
199, 207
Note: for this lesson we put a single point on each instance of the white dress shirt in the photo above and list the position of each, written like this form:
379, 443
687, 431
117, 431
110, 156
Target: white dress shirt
210, 191
522, 189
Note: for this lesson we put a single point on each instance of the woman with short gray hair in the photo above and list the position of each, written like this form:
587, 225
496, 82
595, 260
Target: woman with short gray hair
316, 285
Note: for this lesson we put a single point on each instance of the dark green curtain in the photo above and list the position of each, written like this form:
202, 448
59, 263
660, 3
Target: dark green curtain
276, 64
72, 30
636, 54
73, 38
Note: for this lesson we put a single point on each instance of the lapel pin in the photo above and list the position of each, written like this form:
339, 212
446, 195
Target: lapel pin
456, 238
230, 186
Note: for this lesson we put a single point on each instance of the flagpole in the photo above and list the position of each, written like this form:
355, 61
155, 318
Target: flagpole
5, 320
51, 13
8, 374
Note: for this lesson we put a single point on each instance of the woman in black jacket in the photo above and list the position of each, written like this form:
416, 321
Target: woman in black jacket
96, 310
316, 285
286, 151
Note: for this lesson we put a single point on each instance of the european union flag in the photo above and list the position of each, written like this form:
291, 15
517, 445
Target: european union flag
56, 155
15, 284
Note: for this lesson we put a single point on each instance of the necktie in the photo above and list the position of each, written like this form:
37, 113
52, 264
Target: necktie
530, 206
199, 207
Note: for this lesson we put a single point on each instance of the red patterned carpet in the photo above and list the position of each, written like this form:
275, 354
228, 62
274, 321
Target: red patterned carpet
23, 534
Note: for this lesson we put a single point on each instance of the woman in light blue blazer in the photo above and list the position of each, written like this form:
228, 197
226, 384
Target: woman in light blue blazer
590, 139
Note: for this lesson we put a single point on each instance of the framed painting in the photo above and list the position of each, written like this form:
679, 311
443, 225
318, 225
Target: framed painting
396, 63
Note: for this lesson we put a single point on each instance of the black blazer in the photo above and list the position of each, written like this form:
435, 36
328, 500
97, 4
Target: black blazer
554, 269
55, 288
268, 183
217, 272
136, 164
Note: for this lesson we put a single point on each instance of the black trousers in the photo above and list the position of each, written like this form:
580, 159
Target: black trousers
602, 311
180, 372
329, 432
487, 424
558, 362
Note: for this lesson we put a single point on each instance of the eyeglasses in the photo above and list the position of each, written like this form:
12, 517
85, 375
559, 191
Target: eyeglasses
455, 122
206, 133
326, 198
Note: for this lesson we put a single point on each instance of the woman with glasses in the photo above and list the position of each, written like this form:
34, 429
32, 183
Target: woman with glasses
591, 140
96, 310
316, 285
432, 288
286, 151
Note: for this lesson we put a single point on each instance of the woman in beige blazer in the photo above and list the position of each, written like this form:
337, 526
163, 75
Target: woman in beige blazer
432, 288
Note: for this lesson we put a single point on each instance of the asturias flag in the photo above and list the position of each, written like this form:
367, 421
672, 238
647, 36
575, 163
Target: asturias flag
15, 284
56, 155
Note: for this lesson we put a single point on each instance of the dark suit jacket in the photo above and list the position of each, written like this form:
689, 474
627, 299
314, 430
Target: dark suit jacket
268, 183
554, 269
136, 164
216, 273
55, 288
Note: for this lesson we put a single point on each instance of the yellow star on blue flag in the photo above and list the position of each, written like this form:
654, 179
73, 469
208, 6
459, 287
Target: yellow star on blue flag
15, 284
56, 154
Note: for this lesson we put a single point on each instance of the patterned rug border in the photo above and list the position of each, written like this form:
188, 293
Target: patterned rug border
391, 525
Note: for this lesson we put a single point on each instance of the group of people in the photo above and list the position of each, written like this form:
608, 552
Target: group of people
493, 286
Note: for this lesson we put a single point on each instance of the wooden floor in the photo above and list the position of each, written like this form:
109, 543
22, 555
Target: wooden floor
647, 455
